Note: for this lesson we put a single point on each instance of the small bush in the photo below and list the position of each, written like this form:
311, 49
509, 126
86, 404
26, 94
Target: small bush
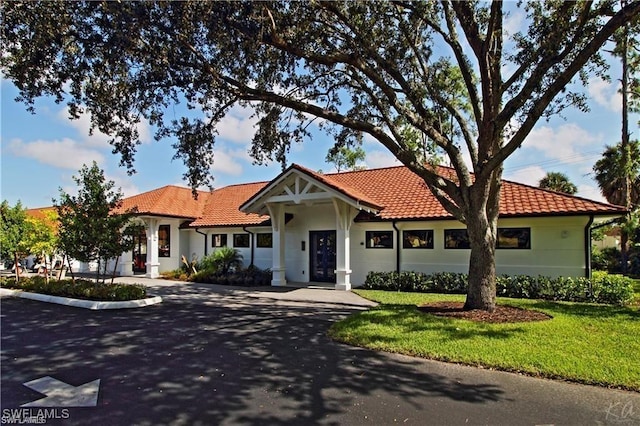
179, 274
80, 289
249, 277
602, 288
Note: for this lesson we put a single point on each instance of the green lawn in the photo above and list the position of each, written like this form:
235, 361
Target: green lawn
593, 344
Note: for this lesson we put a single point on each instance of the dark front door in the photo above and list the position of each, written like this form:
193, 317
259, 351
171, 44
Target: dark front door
323, 256
140, 251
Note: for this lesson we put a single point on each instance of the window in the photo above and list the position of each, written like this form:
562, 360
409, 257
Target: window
218, 240
164, 241
456, 239
264, 240
379, 239
241, 240
514, 238
420, 239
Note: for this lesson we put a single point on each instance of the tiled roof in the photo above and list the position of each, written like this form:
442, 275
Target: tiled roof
348, 189
404, 195
173, 201
396, 192
45, 214
223, 207
42, 213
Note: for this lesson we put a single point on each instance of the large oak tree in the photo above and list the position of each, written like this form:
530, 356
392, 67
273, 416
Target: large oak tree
376, 68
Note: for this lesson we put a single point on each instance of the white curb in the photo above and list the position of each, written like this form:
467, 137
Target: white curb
79, 303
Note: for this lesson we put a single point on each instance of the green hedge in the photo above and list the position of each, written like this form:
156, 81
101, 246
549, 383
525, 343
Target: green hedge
80, 289
601, 288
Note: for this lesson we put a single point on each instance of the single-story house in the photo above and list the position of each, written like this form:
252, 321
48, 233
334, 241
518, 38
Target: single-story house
335, 228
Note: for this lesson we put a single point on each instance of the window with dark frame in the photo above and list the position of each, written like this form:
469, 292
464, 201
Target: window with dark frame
164, 241
218, 240
514, 238
379, 239
264, 240
241, 240
417, 239
456, 239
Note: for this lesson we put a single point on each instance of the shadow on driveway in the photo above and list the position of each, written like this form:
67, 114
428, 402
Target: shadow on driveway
227, 360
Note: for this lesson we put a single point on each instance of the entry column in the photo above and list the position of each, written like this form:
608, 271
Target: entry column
344, 218
276, 211
153, 262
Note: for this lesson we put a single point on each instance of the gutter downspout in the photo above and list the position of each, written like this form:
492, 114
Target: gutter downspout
588, 230
587, 247
244, 228
398, 241
206, 243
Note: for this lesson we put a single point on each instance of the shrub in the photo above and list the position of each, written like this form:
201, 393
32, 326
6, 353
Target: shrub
251, 276
80, 289
179, 274
602, 288
612, 289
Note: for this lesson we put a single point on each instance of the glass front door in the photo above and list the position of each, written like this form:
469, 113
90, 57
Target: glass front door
323, 256
140, 251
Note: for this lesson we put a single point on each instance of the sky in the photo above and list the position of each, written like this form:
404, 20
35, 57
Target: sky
41, 153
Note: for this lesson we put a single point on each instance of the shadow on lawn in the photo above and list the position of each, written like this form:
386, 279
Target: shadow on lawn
586, 310
408, 319
222, 360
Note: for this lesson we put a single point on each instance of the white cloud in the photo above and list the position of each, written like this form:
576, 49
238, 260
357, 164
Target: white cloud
225, 162
591, 192
529, 175
99, 139
124, 182
237, 125
65, 153
567, 142
605, 94
377, 159
513, 22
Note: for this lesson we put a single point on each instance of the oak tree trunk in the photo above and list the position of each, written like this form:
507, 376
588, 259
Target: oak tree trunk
482, 223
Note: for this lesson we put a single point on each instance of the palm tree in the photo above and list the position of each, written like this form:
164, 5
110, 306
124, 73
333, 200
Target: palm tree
619, 182
559, 182
610, 175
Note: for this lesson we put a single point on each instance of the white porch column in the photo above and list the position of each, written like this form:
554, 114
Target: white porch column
125, 264
344, 218
276, 211
153, 262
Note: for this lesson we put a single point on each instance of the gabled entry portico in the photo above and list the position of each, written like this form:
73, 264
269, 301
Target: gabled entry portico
295, 190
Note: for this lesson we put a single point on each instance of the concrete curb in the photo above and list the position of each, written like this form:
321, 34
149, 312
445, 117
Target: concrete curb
79, 303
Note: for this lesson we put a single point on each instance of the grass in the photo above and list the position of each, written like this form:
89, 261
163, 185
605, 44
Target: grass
586, 343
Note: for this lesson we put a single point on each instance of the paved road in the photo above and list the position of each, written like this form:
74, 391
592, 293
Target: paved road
207, 356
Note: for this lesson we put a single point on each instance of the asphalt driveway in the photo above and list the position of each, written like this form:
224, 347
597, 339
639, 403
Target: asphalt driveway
214, 356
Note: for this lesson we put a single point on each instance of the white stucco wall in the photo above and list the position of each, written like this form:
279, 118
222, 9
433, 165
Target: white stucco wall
261, 258
557, 246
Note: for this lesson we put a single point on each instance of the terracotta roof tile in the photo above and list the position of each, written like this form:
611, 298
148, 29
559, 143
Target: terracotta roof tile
395, 191
173, 201
404, 195
223, 207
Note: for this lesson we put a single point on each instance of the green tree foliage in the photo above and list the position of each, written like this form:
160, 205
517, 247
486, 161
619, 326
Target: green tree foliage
559, 182
345, 158
612, 172
354, 67
42, 238
89, 229
610, 175
227, 258
14, 234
